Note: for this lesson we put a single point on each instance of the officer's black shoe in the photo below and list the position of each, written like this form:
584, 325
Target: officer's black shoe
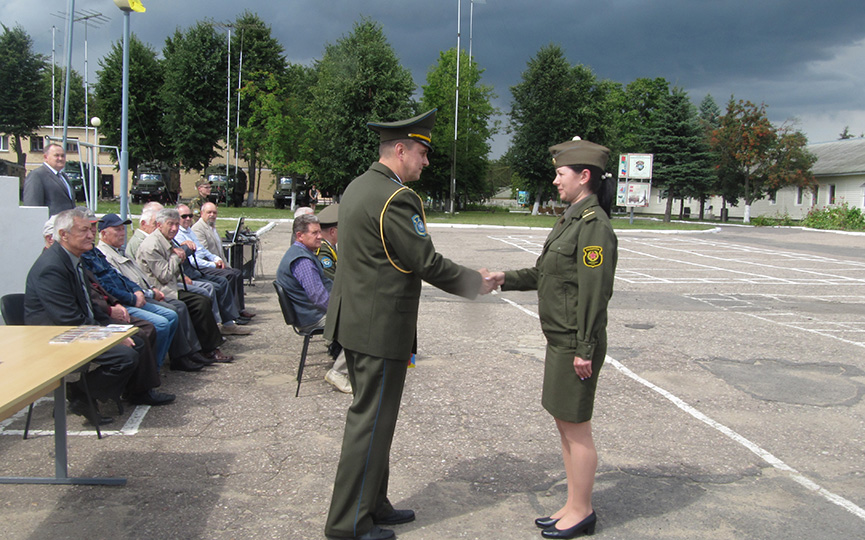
394, 518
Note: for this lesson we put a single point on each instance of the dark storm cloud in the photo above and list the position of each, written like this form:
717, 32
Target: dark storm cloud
800, 58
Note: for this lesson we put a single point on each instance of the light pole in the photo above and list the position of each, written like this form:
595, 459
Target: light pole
126, 6
456, 113
94, 163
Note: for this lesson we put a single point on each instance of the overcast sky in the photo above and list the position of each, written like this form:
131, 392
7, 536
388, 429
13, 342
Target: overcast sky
803, 59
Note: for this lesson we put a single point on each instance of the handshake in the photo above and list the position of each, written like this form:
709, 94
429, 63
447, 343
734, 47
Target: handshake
491, 281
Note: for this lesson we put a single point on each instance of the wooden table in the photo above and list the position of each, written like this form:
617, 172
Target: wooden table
30, 367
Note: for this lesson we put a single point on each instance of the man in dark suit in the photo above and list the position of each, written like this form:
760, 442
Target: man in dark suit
385, 253
47, 185
57, 293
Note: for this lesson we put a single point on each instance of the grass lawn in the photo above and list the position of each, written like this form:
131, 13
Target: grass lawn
479, 217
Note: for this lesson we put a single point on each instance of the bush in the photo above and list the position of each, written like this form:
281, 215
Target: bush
841, 217
783, 220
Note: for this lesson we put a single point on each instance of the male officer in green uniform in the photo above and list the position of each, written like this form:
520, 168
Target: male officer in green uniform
329, 237
385, 253
203, 186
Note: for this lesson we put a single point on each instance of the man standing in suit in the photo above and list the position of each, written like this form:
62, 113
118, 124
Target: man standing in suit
48, 185
385, 254
57, 294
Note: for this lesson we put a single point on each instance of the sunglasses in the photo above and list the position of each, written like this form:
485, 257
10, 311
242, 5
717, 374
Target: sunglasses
186, 216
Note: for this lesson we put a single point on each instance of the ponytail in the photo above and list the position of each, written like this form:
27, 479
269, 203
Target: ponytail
602, 184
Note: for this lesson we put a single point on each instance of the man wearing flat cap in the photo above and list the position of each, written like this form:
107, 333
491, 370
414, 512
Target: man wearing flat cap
386, 252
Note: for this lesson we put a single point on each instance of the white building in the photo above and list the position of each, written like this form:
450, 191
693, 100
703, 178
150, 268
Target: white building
839, 171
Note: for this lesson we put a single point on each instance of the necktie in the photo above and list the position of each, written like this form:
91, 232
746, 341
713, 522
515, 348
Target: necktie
83, 282
63, 177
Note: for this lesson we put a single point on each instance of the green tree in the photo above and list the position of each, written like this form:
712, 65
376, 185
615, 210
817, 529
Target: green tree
24, 95
637, 109
758, 157
147, 141
359, 80
552, 103
76, 97
475, 129
682, 163
194, 94
256, 55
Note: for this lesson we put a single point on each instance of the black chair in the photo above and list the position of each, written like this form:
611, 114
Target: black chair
12, 307
291, 320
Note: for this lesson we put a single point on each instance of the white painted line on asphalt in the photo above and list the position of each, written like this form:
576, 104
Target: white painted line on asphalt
760, 452
765, 455
129, 428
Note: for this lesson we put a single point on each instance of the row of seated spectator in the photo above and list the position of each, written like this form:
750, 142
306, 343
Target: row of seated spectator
77, 281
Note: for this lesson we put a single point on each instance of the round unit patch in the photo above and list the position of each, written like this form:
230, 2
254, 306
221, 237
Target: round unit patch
593, 256
326, 262
419, 226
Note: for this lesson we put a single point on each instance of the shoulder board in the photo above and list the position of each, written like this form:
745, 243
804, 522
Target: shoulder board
589, 214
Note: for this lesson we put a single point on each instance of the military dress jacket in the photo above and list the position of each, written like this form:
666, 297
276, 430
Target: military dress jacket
327, 257
385, 252
574, 278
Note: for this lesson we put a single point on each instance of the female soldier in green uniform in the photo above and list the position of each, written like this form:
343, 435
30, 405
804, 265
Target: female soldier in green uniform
574, 279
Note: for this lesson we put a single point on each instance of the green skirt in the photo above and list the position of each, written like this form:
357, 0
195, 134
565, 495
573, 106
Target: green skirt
565, 396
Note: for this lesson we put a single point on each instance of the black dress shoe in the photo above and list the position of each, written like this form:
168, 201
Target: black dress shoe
394, 518
587, 527
241, 321
199, 358
79, 407
546, 522
151, 397
377, 533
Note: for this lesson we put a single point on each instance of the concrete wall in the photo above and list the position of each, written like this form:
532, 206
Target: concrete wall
21, 241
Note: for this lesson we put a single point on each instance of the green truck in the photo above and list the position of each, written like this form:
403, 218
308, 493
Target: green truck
285, 184
229, 189
155, 181
79, 177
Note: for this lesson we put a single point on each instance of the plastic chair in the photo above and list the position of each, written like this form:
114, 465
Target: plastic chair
291, 320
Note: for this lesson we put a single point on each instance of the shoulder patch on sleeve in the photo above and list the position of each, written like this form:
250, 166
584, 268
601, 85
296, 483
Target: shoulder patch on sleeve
593, 256
419, 225
326, 261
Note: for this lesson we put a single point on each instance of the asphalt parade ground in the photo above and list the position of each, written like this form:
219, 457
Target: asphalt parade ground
730, 406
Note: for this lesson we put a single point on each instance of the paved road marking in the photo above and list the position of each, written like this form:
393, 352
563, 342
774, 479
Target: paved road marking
763, 454
129, 428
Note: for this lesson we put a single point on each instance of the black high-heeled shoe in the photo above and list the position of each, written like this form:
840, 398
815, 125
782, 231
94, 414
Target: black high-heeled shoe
587, 527
546, 522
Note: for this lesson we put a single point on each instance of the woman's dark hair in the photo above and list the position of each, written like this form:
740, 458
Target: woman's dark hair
601, 184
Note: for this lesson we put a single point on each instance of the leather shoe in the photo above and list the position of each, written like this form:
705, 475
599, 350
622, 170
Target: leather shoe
247, 314
217, 356
394, 518
199, 358
376, 533
235, 330
81, 408
546, 522
587, 527
151, 397
185, 363
242, 321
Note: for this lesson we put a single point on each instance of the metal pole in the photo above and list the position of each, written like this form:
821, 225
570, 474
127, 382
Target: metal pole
86, 108
53, 84
69, 17
124, 122
228, 110
456, 114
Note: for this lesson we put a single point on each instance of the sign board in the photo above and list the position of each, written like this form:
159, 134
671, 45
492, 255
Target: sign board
640, 166
633, 194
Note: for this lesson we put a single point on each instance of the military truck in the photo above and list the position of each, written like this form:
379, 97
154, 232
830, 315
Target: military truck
77, 180
155, 181
285, 184
229, 188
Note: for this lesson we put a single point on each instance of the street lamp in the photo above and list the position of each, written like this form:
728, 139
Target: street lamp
126, 6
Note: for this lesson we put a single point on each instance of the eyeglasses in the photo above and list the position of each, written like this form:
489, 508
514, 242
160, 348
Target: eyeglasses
187, 216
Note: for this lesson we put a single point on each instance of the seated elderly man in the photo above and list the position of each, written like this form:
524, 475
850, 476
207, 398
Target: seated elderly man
57, 293
300, 273
146, 226
187, 348
161, 263
211, 263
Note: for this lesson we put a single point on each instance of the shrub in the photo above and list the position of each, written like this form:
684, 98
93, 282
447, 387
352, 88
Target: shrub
842, 217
